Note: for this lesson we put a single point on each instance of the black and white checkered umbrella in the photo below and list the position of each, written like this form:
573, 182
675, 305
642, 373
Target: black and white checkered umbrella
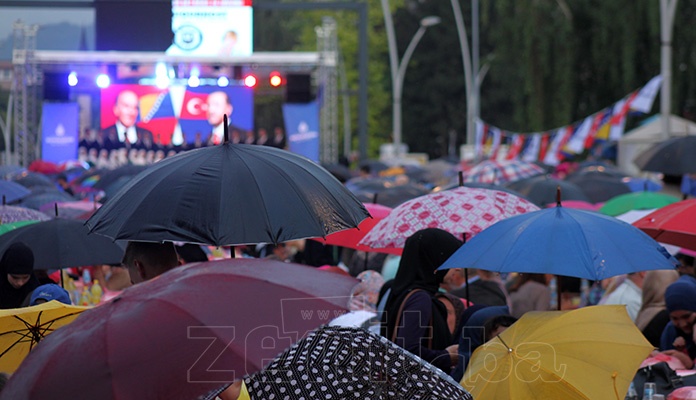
351, 363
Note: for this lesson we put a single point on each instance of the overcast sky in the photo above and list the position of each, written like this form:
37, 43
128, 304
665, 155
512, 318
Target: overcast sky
40, 16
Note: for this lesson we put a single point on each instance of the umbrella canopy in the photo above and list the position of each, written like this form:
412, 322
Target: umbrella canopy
577, 204
541, 190
588, 353
229, 194
183, 334
351, 237
70, 209
636, 201
110, 176
11, 191
22, 328
63, 243
4, 228
500, 172
391, 196
458, 211
340, 171
15, 214
38, 200
562, 241
341, 363
642, 184
672, 157
33, 179
674, 224
599, 187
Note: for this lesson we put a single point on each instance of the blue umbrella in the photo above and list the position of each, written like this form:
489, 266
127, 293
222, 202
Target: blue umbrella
562, 241
12, 191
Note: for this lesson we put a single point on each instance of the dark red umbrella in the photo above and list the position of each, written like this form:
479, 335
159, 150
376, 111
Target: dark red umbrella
673, 224
183, 334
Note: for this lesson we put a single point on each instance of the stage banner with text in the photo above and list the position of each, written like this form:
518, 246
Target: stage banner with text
302, 128
60, 131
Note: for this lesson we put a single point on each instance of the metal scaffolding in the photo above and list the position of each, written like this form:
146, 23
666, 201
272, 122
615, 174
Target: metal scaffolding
25, 93
327, 46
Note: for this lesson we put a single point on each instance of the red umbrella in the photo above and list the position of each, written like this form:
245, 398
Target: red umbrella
183, 334
462, 210
674, 224
351, 237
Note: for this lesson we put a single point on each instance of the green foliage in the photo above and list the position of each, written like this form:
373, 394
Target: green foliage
552, 62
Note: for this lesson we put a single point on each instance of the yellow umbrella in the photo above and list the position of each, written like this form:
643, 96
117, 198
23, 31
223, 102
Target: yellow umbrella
22, 328
588, 353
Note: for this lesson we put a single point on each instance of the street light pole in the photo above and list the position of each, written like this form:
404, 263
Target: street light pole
468, 74
398, 69
667, 10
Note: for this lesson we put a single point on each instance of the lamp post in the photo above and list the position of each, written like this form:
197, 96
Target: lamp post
398, 69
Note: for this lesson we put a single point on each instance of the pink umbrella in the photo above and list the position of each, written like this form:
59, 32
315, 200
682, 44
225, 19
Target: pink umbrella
462, 210
578, 205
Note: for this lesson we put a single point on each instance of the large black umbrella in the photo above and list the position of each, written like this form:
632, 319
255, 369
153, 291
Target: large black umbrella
63, 243
351, 363
599, 187
542, 190
392, 196
108, 178
674, 156
227, 195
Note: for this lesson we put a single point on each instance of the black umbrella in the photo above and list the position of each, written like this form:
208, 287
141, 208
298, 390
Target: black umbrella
110, 177
63, 243
340, 171
542, 190
674, 156
599, 187
343, 363
392, 196
227, 195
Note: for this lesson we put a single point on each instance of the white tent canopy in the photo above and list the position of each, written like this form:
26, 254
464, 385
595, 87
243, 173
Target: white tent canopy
645, 136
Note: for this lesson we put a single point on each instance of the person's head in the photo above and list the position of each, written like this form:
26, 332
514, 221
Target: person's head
680, 300
497, 325
686, 262
126, 108
637, 278
18, 264
365, 294
217, 105
424, 252
48, 292
146, 260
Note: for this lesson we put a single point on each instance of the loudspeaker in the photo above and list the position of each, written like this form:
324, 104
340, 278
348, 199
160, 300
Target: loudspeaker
298, 88
133, 25
55, 85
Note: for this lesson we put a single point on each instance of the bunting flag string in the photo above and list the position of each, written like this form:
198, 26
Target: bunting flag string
554, 145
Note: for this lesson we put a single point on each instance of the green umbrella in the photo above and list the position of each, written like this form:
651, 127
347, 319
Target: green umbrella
636, 201
4, 228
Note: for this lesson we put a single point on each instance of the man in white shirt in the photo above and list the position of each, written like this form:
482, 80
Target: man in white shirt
628, 293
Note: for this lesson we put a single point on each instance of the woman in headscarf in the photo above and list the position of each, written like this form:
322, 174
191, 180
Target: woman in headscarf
17, 278
677, 337
653, 315
413, 318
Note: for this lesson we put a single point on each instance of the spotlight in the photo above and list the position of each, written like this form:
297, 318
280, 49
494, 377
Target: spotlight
223, 81
250, 81
103, 81
72, 79
194, 81
275, 79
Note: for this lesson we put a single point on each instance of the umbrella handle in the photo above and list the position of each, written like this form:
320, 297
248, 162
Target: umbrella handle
226, 131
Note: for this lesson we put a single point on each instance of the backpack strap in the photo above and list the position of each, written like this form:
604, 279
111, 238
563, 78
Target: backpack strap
398, 320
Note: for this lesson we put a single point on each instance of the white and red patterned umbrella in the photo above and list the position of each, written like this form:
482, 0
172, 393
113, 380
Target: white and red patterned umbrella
462, 210
499, 172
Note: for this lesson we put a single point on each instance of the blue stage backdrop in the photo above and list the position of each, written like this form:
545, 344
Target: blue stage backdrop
302, 128
60, 131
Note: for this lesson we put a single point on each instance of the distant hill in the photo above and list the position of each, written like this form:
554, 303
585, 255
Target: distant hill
61, 36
